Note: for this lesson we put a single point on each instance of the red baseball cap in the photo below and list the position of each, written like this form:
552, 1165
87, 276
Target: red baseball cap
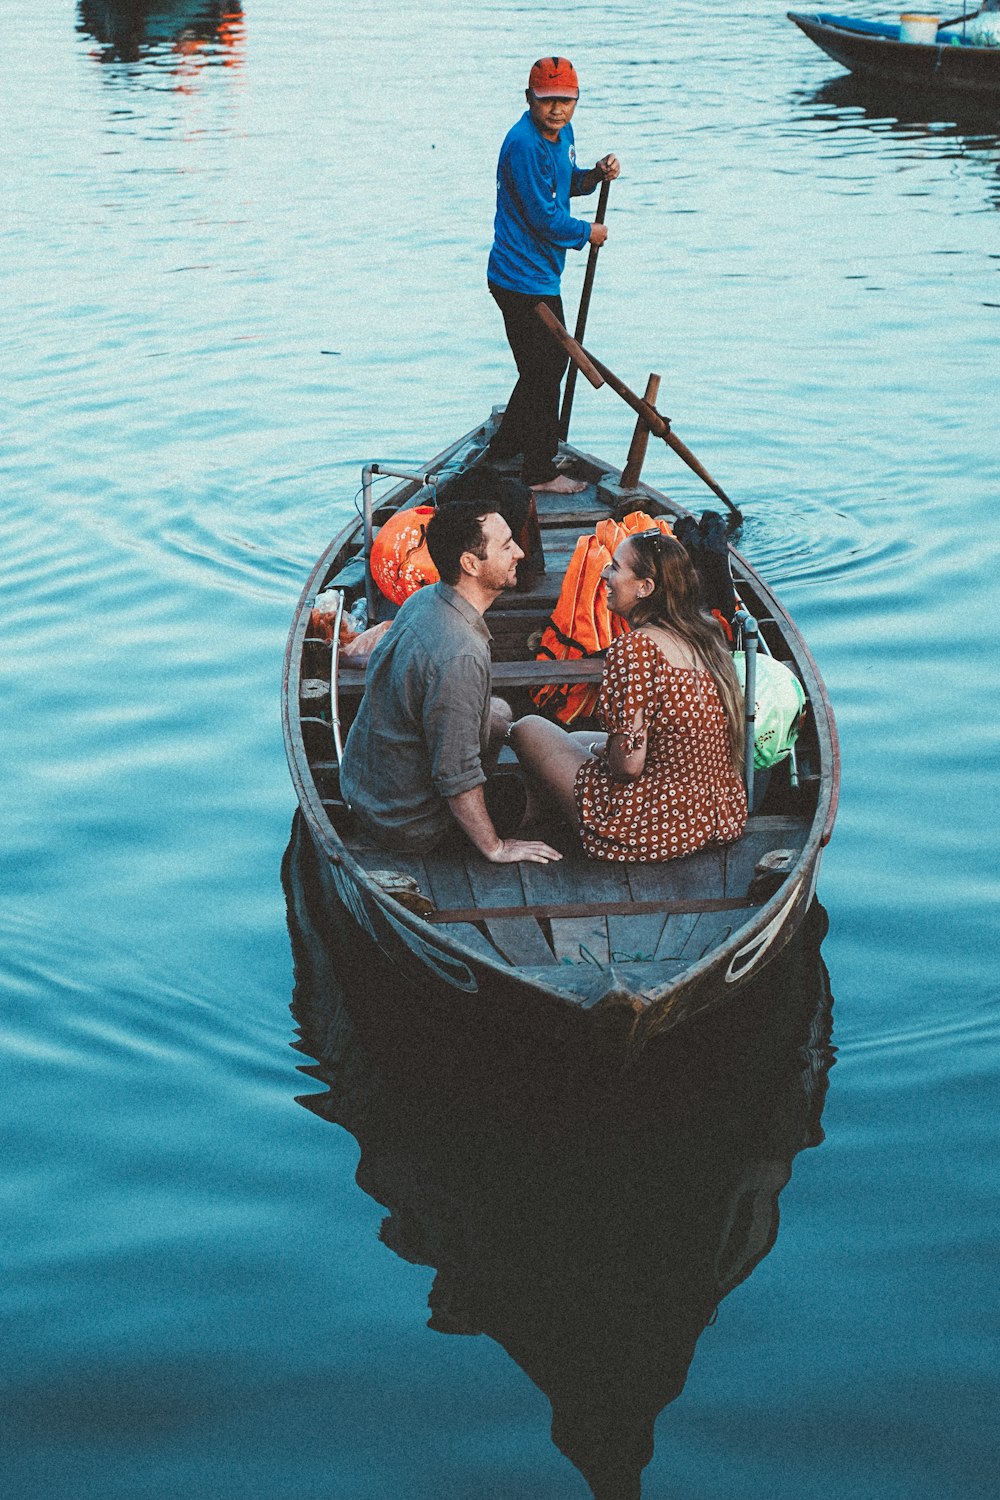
554, 78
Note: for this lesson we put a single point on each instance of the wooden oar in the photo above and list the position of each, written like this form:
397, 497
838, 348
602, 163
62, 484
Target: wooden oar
579, 356
965, 16
581, 317
657, 424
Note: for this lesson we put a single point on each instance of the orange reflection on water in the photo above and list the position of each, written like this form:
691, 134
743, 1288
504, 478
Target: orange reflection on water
187, 35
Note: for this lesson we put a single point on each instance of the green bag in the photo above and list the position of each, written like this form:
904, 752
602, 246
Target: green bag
781, 700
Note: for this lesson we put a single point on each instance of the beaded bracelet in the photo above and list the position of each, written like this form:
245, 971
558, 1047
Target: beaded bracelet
631, 742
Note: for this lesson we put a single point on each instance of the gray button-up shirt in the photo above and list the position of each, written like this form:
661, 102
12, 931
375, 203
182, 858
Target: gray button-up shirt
423, 726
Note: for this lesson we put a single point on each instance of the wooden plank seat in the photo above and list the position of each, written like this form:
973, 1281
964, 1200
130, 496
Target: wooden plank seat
506, 674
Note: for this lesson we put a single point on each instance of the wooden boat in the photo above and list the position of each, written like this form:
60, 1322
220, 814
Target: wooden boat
559, 954
873, 49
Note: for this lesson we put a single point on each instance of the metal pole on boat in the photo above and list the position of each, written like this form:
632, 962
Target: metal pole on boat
366, 491
751, 637
338, 743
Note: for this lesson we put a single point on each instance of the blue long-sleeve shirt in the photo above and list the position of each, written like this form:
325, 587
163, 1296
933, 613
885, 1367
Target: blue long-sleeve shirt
533, 228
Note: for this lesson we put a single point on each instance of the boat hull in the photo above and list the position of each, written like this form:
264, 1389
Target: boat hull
973, 72
412, 973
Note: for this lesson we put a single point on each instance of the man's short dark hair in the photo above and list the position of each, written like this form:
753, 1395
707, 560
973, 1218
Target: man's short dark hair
453, 529
492, 491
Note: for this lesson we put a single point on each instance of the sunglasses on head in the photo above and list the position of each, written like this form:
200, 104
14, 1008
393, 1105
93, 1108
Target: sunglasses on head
654, 534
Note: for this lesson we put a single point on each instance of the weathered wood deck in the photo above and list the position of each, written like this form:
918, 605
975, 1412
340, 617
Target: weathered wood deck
580, 910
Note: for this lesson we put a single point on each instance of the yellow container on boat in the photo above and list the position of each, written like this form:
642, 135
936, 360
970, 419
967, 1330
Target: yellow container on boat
916, 27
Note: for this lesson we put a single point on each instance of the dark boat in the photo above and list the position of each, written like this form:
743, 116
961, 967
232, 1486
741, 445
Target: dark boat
570, 954
593, 1245
873, 49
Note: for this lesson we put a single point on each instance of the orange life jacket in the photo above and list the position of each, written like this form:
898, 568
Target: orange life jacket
400, 561
581, 623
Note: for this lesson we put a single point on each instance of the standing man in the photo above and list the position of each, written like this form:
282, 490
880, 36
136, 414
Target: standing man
413, 766
536, 177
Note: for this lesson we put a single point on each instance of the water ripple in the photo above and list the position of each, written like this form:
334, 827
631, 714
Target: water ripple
218, 196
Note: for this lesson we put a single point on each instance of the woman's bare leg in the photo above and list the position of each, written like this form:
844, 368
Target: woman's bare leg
550, 757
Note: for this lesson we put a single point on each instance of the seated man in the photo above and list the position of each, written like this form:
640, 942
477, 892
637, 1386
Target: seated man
414, 760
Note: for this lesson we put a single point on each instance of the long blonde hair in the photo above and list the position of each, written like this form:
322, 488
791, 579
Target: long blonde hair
676, 603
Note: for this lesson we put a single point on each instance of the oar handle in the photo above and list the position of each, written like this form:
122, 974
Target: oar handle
584, 309
588, 275
967, 15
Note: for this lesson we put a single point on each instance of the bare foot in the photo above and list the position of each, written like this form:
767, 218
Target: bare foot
561, 485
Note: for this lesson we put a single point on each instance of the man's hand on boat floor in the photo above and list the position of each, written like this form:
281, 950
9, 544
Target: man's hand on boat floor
470, 813
510, 851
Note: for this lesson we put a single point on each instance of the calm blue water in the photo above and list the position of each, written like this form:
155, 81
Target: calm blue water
237, 259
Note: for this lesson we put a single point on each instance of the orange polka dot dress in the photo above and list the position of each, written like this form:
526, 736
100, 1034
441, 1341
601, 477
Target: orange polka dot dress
688, 794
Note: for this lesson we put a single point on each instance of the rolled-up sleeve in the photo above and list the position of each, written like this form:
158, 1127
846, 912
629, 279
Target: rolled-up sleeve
455, 702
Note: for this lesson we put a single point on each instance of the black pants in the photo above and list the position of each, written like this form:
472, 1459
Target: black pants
531, 422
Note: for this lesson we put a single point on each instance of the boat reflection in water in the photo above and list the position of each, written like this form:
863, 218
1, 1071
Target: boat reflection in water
593, 1239
130, 30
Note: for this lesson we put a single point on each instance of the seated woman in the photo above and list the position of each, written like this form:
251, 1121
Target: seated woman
666, 778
